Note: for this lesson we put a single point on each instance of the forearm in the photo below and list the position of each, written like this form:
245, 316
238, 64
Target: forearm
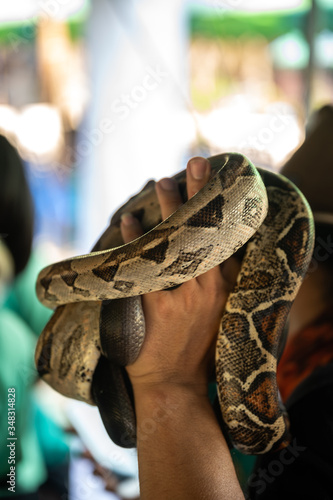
182, 452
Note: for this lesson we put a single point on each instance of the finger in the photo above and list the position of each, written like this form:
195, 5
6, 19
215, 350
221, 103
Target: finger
225, 275
130, 228
230, 270
168, 196
197, 174
212, 278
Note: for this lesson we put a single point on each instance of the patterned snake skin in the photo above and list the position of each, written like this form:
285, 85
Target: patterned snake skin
98, 304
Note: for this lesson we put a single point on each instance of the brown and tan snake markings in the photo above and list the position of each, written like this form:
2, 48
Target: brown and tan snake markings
98, 325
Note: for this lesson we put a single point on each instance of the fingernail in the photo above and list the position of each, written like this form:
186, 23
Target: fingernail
198, 168
167, 184
127, 219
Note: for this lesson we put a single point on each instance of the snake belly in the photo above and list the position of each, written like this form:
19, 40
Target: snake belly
98, 305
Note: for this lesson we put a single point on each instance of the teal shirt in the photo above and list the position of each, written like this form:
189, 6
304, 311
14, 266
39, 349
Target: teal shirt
22, 297
39, 440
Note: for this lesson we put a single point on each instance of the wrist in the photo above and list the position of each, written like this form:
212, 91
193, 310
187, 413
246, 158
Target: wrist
155, 389
161, 403
184, 378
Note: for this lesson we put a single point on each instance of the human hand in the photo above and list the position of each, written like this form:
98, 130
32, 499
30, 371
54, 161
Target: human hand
181, 324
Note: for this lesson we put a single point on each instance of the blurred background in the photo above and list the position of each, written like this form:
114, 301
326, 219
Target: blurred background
99, 96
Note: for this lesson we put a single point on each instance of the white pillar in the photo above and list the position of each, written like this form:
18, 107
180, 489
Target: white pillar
137, 126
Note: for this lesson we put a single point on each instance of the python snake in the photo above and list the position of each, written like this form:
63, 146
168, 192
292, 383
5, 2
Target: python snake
98, 326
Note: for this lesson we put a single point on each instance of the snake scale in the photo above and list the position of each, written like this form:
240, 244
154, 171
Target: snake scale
98, 325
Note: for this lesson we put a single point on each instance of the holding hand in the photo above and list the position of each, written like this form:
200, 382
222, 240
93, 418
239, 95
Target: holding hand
181, 324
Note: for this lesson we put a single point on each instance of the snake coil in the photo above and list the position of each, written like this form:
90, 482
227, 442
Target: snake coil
98, 325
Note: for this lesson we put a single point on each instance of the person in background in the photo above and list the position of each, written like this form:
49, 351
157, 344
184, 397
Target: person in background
22, 468
32, 463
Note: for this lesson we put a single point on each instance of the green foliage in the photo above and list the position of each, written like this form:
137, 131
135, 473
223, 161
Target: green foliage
230, 25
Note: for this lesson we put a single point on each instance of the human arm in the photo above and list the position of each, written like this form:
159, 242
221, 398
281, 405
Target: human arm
182, 452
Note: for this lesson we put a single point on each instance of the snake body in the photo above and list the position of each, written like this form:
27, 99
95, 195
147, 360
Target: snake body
98, 304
